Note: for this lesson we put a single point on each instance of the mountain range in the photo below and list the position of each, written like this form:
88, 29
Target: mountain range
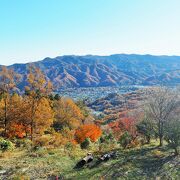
113, 70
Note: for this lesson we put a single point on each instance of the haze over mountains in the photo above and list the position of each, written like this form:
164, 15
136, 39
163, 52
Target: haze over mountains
113, 70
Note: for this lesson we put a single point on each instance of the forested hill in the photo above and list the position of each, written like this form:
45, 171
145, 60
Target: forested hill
113, 70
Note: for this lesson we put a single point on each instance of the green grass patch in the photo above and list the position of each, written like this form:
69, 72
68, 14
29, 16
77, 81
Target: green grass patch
147, 162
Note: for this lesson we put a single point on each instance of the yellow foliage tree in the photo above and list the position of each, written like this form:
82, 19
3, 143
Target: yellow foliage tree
43, 118
8, 81
67, 114
38, 88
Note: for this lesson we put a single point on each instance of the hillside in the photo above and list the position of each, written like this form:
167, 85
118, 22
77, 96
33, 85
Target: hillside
113, 70
114, 102
147, 162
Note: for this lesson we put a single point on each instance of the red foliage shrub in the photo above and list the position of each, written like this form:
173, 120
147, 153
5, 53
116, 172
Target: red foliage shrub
87, 131
17, 130
124, 124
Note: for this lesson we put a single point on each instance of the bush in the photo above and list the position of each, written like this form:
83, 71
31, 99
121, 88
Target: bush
156, 153
21, 177
86, 143
146, 128
6, 145
106, 138
125, 139
23, 143
134, 143
172, 134
69, 146
42, 141
107, 141
57, 140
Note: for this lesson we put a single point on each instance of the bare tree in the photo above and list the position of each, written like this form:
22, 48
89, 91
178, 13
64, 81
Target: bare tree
160, 107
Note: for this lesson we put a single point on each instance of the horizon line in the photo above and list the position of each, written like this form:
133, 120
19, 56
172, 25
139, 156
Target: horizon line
102, 55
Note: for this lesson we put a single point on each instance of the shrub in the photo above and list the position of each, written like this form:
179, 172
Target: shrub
146, 128
69, 146
134, 143
23, 143
156, 153
42, 141
172, 134
85, 144
125, 139
6, 145
57, 140
106, 138
107, 141
21, 177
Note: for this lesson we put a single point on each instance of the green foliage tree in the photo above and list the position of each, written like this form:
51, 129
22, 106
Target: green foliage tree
85, 111
85, 144
125, 139
146, 128
6, 145
172, 134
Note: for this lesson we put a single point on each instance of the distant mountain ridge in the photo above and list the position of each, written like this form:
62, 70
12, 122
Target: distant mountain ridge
113, 70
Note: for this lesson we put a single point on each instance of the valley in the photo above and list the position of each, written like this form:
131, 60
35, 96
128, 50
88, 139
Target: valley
60, 112
93, 93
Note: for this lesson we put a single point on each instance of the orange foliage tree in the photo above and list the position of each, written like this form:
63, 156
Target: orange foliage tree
18, 123
8, 81
90, 131
38, 88
126, 124
17, 130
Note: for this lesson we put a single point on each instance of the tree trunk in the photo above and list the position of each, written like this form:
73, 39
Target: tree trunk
161, 133
32, 119
32, 131
148, 140
160, 141
5, 116
176, 151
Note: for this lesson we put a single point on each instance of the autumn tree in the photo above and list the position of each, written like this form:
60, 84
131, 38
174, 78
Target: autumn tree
43, 116
129, 124
19, 119
38, 87
16, 117
8, 81
1, 116
125, 124
90, 131
67, 114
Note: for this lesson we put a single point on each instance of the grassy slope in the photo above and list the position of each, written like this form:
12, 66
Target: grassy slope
147, 162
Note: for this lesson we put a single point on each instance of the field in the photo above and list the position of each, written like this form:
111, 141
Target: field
147, 162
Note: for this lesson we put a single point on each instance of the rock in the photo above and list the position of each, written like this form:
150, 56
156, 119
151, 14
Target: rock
87, 159
105, 157
24, 169
3, 171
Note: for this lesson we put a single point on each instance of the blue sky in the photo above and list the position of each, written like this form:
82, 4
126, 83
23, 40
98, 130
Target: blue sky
33, 29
